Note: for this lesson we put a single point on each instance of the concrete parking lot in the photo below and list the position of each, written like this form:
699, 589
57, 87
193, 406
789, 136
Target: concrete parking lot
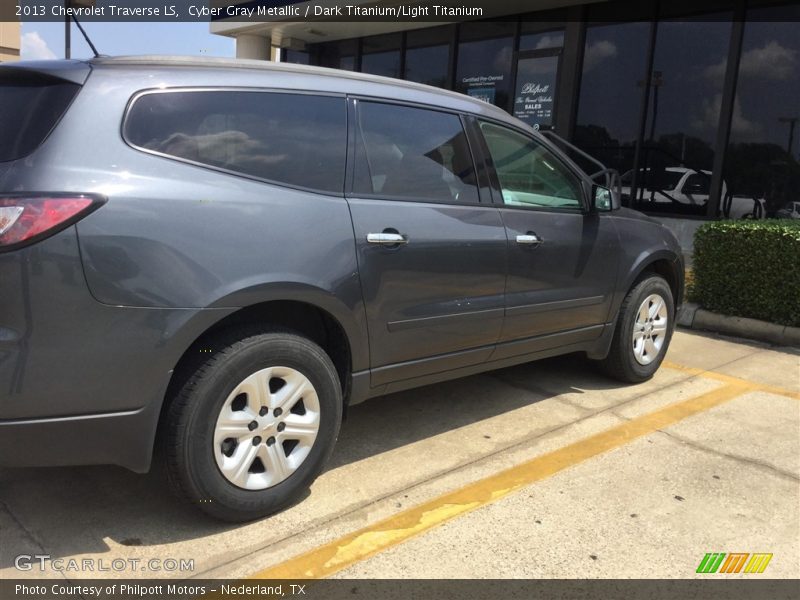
545, 470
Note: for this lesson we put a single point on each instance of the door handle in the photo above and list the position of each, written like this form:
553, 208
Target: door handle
386, 239
529, 239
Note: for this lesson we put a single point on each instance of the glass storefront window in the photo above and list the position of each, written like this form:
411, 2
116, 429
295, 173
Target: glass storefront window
683, 114
541, 41
428, 53
294, 56
485, 54
610, 101
762, 166
380, 55
336, 55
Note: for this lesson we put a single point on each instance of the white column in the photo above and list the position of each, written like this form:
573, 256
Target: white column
252, 46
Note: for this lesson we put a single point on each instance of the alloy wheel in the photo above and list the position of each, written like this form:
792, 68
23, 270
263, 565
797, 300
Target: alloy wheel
650, 329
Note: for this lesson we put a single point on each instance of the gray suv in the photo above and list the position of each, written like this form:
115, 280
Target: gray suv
216, 257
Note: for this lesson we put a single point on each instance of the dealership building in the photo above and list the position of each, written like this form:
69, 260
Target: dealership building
695, 103
9, 40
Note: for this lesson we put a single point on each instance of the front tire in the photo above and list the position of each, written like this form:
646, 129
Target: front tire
643, 331
253, 425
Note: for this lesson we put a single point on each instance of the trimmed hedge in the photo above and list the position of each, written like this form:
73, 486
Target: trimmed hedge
749, 269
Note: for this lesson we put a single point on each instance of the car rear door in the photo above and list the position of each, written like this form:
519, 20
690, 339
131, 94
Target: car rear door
562, 257
431, 254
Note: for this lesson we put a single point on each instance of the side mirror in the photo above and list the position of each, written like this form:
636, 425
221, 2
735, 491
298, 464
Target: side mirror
603, 199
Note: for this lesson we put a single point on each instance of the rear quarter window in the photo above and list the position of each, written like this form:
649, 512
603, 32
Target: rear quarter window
294, 139
30, 106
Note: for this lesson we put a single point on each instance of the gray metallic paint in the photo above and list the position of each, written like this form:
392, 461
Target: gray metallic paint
94, 319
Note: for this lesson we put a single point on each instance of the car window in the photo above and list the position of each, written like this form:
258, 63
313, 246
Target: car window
530, 175
295, 139
30, 105
414, 153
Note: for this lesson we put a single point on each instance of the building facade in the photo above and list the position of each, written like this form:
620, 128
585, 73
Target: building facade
9, 40
694, 103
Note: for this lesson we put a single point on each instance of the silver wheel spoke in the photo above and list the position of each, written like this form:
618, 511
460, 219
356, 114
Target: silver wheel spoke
638, 350
233, 426
301, 428
655, 307
238, 466
650, 348
275, 462
295, 388
660, 327
257, 389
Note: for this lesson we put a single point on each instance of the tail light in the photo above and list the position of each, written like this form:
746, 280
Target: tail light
25, 219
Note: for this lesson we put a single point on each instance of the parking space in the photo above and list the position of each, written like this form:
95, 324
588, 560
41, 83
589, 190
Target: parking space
542, 470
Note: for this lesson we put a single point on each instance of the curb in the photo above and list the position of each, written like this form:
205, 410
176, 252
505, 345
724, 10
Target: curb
691, 316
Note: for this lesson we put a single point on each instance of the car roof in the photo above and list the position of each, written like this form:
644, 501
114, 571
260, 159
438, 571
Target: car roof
447, 98
686, 170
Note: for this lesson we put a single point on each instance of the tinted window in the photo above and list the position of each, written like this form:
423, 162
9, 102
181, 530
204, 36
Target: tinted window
30, 106
485, 56
297, 139
529, 174
381, 55
689, 66
428, 53
615, 58
337, 55
763, 158
412, 153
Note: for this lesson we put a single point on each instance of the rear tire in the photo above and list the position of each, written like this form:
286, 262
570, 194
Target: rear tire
643, 331
253, 425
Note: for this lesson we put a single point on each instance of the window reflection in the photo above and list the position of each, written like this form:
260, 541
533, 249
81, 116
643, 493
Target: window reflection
485, 55
530, 176
428, 56
683, 113
336, 55
412, 153
608, 110
541, 41
381, 55
761, 165
296, 139
297, 57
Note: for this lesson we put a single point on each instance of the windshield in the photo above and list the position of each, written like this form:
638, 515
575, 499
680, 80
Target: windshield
30, 106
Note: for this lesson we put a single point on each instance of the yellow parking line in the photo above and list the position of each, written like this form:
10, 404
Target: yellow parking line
761, 387
354, 547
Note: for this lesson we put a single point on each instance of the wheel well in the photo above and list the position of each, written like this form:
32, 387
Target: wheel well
668, 271
305, 319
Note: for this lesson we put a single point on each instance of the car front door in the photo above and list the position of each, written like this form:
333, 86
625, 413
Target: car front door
562, 256
431, 255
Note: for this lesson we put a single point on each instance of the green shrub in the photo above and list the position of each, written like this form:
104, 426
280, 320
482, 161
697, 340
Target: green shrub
749, 269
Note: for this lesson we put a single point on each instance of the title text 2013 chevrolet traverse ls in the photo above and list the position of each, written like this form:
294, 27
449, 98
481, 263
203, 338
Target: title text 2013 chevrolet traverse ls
219, 256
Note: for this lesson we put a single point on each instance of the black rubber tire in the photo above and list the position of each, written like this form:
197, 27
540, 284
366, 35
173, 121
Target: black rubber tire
620, 362
192, 414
